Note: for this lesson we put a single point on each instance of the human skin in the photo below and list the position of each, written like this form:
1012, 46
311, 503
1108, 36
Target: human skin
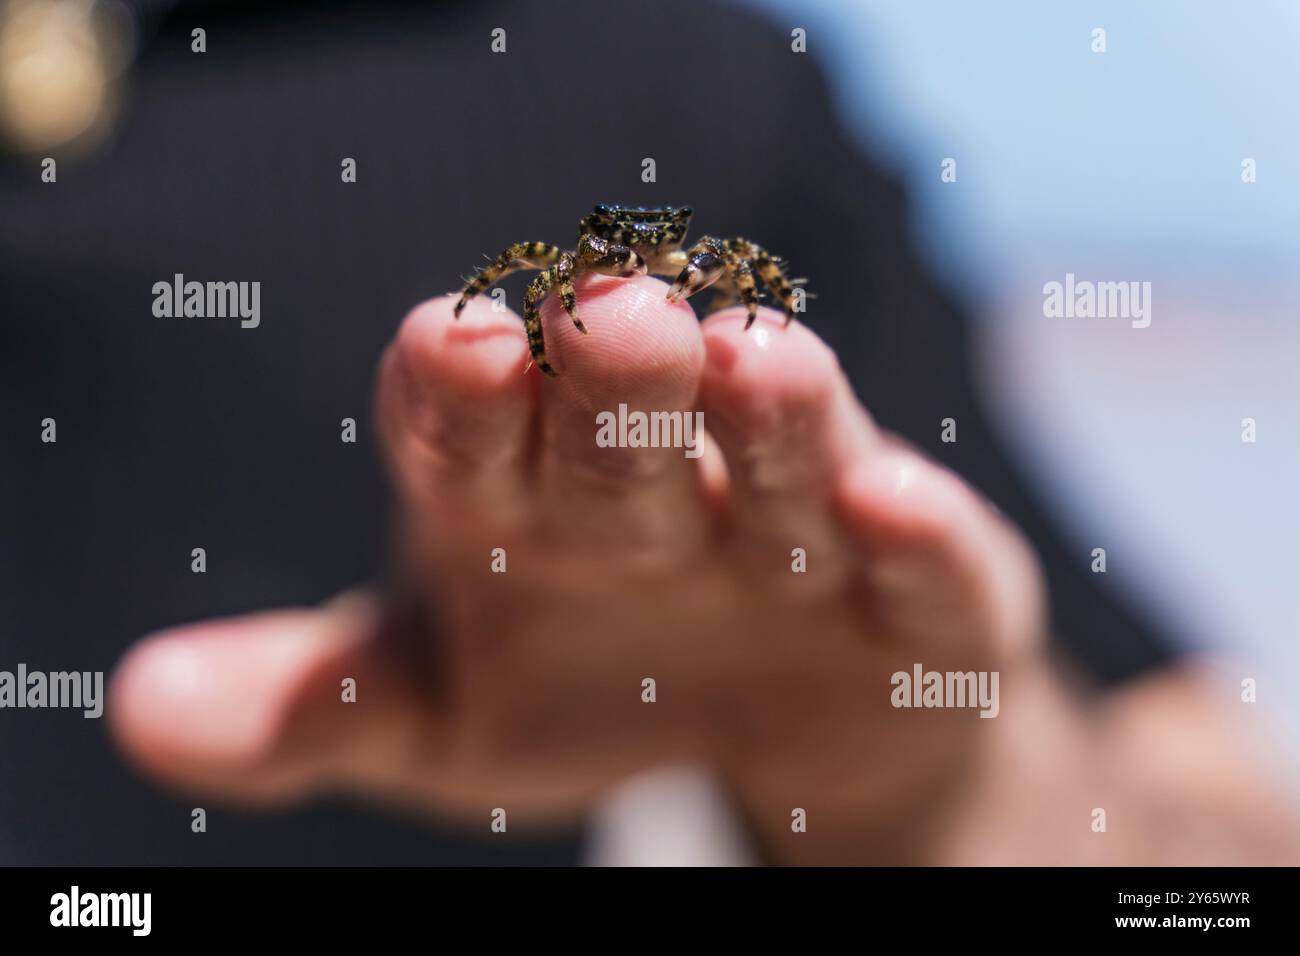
523, 689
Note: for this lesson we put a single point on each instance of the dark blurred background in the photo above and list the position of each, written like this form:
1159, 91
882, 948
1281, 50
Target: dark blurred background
183, 433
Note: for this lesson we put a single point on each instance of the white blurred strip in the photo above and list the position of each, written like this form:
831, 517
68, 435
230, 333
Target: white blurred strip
672, 816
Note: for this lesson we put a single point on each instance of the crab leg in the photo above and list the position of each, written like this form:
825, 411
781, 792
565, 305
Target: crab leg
769, 269
537, 292
522, 255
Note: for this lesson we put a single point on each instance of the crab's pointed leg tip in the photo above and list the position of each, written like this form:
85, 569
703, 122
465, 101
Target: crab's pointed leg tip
542, 365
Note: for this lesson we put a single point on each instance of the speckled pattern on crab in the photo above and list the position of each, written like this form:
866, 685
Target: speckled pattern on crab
633, 240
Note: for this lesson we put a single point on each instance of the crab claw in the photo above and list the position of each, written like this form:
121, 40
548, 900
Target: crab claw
610, 258
635, 266
622, 263
704, 269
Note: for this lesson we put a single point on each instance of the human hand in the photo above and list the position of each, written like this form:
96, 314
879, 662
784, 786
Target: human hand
523, 690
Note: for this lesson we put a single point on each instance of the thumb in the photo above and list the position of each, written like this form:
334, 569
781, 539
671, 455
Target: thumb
257, 708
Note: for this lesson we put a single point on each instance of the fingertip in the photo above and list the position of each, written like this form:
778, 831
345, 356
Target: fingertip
753, 370
640, 344
644, 357
898, 499
170, 712
481, 352
453, 397
208, 706
925, 533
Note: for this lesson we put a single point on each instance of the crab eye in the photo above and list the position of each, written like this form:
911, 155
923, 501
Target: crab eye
601, 209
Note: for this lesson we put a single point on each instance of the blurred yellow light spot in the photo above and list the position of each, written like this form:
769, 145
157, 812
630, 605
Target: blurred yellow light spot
57, 59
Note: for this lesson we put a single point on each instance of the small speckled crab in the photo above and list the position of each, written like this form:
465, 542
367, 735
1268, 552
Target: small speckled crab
629, 241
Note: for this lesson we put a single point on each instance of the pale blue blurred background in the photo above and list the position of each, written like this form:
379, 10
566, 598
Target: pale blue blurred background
1122, 165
